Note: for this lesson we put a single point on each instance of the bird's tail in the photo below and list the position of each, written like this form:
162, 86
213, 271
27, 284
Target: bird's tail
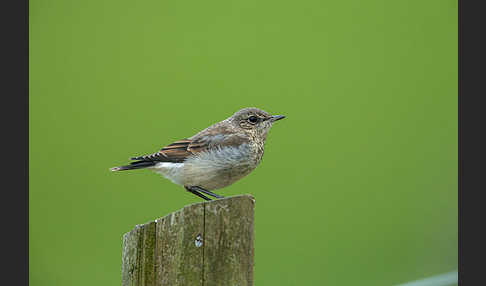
134, 165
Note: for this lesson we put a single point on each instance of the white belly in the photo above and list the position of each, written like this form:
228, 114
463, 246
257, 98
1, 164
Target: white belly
211, 170
171, 171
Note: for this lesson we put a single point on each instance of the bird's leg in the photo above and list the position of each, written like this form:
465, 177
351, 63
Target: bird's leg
199, 189
190, 189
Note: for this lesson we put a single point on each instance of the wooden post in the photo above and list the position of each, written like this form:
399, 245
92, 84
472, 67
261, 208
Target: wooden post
208, 243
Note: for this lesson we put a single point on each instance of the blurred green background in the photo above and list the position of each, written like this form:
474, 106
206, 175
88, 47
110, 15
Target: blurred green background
358, 185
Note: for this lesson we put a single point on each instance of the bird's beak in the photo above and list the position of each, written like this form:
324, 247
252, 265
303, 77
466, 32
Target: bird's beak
276, 117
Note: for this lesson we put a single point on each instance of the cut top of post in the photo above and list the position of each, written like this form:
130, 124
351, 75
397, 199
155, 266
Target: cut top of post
207, 243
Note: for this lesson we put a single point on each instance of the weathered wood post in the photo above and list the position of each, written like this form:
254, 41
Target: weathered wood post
208, 243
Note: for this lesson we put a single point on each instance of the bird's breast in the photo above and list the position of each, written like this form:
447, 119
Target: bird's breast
220, 167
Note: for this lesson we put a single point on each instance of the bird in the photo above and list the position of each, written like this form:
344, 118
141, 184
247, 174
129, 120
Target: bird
215, 157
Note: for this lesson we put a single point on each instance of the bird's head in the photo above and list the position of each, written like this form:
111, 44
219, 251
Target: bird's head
253, 121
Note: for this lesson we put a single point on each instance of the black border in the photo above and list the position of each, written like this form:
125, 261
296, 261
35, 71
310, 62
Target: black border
472, 65
14, 20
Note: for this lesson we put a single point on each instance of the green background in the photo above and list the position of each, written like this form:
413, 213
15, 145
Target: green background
358, 185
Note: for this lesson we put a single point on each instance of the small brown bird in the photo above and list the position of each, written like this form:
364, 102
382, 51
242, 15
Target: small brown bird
214, 158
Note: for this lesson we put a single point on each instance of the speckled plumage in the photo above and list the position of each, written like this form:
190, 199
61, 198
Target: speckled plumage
217, 156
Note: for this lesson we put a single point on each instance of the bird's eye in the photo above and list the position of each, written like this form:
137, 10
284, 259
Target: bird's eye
253, 119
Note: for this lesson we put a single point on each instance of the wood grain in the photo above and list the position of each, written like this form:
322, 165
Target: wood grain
228, 248
179, 261
208, 243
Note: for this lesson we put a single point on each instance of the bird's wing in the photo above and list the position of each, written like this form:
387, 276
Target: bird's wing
176, 152
180, 150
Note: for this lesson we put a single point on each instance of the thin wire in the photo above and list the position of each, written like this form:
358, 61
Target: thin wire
445, 279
